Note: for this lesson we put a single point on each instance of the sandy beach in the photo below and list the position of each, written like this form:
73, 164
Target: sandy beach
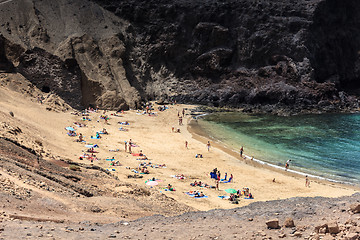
154, 137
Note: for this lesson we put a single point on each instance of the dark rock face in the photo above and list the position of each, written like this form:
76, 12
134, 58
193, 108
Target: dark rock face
49, 73
334, 43
273, 56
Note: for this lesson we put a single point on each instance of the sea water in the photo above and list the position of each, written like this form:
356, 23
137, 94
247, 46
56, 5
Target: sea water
326, 145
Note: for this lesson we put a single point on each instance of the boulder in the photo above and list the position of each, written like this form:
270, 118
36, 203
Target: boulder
321, 228
352, 236
289, 223
355, 208
333, 227
273, 223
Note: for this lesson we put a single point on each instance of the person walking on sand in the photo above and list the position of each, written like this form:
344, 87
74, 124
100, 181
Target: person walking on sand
241, 151
307, 181
130, 142
186, 144
183, 112
208, 145
125, 146
287, 164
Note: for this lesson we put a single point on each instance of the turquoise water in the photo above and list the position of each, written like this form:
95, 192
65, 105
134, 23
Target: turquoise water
326, 145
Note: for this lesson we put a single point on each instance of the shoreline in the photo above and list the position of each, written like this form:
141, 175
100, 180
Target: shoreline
198, 133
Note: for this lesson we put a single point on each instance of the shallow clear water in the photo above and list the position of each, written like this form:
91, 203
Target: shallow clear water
326, 145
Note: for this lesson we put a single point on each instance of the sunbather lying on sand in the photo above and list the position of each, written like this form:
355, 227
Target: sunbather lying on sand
170, 188
179, 176
200, 184
79, 124
144, 170
117, 163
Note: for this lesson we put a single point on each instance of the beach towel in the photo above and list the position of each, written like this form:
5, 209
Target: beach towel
111, 169
248, 198
135, 171
136, 154
224, 197
178, 177
169, 190
101, 132
124, 123
202, 197
157, 166
110, 159
230, 179
193, 195
112, 150
92, 137
123, 129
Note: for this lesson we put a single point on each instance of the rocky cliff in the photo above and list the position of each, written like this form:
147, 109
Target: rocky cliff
267, 55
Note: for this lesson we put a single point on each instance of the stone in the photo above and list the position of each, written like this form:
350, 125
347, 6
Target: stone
273, 223
328, 237
315, 237
333, 227
297, 234
355, 208
321, 228
289, 223
352, 236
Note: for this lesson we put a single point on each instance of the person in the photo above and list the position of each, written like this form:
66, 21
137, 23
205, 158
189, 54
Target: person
170, 187
130, 143
287, 164
172, 128
231, 178
241, 151
307, 181
183, 112
225, 178
81, 137
208, 145
104, 131
232, 197
39, 99
186, 144
217, 184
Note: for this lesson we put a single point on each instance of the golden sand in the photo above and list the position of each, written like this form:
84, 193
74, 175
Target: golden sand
154, 136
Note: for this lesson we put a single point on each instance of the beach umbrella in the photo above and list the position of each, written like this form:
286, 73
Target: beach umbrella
70, 129
152, 183
230, 190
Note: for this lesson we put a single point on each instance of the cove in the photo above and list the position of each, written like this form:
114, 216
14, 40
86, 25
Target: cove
324, 145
